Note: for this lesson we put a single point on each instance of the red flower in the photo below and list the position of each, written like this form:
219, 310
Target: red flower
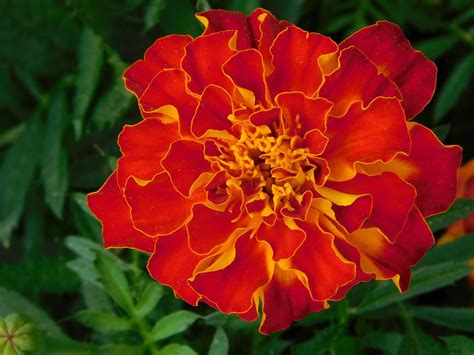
275, 169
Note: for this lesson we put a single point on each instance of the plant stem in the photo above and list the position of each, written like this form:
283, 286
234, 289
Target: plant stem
144, 330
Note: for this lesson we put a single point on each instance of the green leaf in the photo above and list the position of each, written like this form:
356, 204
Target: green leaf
321, 341
172, 324
116, 100
13, 302
423, 281
177, 349
459, 345
460, 209
460, 249
202, 5
54, 168
455, 85
417, 342
84, 220
246, 6
90, 59
153, 12
453, 318
435, 47
442, 131
9, 136
149, 299
220, 343
185, 23
106, 323
287, 10
389, 343
54, 346
16, 173
115, 282
122, 349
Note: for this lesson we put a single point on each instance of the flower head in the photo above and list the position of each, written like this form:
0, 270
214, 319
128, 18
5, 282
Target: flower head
275, 169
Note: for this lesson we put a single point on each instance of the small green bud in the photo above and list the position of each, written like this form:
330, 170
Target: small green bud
18, 335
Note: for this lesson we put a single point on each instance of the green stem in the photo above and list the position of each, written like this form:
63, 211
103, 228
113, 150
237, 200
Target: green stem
144, 330
409, 327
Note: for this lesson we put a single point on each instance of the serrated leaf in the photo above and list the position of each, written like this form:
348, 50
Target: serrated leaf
103, 322
423, 280
153, 12
450, 317
16, 172
455, 85
220, 343
172, 324
460, 209
460, 249
149, 299
54, 168
90, 59
115, 282
435, 47
177, 349
459, 345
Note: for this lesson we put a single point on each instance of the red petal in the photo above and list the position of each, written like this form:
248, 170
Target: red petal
352, 217
283, 240
393, 200
165, 53
357, 79
222, 20
246, 70
157, 208
295, 61
233, 287
185, 162
144, 145
285, 299
169, 88
214, 108
430, 167
377, 132
324, 268
204, 59
209, 228
388, 260
386, 46
173, 263
110, 208
315, 141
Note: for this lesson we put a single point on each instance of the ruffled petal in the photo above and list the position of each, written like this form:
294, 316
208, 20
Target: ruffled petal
386, 46
110, 207
285, 299
430, 167
204, 59
167, 95
361, 136
185, 162
393, 199
212, 113
157, 208
143, 146
283, 240
315, 141
357, 79
393, 261
304, 112
295, 61
165, 53
246, 70
251, 269
324, 268
173, 263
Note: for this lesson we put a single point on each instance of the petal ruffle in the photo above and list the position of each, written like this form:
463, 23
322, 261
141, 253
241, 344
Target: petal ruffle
361, 136
143, 146
251, 269
356, 79
296, 55
110, 207
204, 59
173, 263
386, 46
430, 167
165, 53
285, 299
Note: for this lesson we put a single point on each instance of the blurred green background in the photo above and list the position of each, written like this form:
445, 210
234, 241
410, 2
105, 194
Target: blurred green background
62, 104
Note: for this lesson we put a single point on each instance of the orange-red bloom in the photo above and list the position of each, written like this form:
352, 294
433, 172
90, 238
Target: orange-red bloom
275, 169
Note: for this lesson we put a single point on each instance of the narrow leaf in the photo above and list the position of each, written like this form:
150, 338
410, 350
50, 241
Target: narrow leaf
389, 343
172, 324
460, 209
149, 299
459, 345
153, 12
442, 131
417, 342
177, 349
455, 85
103, 322
435, 47
220, 343
461, 249
423, 280
84, 220
454, 318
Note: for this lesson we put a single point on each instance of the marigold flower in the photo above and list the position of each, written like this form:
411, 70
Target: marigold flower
275, 169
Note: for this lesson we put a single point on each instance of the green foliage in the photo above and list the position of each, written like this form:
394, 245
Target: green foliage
63, 103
